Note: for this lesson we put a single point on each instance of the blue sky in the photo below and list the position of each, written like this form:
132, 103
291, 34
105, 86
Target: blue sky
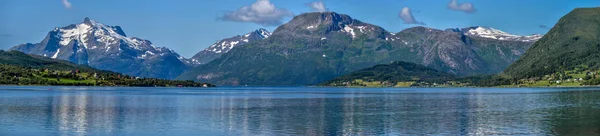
188, 26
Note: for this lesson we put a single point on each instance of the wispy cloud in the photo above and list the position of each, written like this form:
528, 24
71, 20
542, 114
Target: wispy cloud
318, 6
262, 12
464, 7
66, 3
544, 27
408, 18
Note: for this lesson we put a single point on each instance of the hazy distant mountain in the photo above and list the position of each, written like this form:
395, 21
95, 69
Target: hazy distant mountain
316, 47
108, 48
223, 46
487, 32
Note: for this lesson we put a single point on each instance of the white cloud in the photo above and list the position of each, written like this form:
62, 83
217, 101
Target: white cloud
261, 12
318, 6
66, 3
408, 18
465, 7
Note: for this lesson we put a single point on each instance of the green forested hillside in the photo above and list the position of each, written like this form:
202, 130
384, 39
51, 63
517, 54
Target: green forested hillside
17, 68
573, 42
568, 55
16, 58
394, 74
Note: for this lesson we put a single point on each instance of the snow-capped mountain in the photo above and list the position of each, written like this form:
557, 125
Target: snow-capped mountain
108, 48
217, 49
488, 32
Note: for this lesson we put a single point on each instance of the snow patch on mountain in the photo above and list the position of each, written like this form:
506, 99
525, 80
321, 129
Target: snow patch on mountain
146, 54
491, 33
224, 46
264, 33
55, 54
350, 31
78, 33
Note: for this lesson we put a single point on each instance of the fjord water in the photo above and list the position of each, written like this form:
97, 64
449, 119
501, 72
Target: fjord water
298, 111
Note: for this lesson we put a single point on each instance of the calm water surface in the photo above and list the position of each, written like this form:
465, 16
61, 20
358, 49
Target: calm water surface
298, 111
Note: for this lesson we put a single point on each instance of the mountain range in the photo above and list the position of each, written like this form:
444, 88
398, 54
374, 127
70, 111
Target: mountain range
311, 48
316, 47
109, 48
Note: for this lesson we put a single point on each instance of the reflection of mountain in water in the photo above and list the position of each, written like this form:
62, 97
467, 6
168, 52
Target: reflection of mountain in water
315, 113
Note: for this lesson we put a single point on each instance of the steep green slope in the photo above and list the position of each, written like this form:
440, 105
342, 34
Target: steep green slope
18, 68
574, 42
394, 74
21, 59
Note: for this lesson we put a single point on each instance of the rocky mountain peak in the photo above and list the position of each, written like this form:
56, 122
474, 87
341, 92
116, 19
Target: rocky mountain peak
323, 18
319, 25
87, 20
262, 33
330, 21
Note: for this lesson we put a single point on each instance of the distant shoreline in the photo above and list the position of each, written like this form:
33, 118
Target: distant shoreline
211, 86
598, 86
